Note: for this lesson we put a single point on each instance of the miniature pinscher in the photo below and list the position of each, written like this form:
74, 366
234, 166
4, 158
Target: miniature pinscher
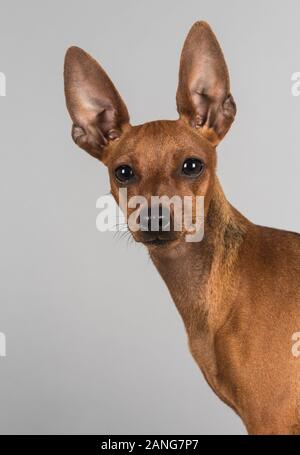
238, 289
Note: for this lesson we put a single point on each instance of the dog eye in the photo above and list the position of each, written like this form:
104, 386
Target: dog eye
124, 173
192, 167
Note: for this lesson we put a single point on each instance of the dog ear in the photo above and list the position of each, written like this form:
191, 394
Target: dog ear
98, 112
203, 94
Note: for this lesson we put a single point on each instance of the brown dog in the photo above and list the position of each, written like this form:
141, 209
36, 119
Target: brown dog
238, 290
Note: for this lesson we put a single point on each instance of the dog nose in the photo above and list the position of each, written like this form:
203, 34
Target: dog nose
155, 218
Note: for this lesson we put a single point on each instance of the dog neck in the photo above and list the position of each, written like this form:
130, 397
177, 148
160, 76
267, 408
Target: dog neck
199, 275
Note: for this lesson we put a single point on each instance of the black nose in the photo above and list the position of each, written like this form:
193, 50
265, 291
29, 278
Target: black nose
155, 219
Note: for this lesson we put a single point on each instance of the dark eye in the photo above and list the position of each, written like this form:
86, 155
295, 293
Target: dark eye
192, 167
124, 173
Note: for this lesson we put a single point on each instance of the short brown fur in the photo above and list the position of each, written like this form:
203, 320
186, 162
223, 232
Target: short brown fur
238, 290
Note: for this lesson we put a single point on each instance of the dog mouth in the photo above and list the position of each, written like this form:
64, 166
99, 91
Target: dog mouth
159, 241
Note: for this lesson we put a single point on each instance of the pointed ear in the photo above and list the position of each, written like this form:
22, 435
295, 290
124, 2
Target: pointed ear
203, 94
98, 112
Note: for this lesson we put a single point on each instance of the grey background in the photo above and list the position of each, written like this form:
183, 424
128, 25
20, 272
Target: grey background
94, 343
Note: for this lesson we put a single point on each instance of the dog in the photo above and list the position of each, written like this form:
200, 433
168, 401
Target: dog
237, 290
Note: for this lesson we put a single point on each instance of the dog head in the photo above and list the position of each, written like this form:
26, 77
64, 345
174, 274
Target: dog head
164, 159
